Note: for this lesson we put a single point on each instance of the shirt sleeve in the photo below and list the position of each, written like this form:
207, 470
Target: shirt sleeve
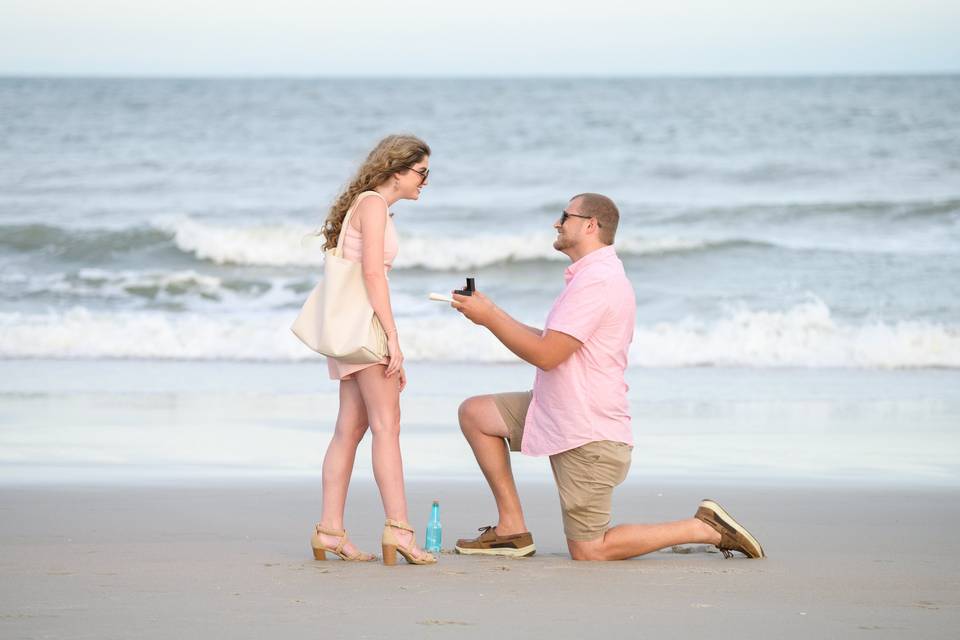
581, 309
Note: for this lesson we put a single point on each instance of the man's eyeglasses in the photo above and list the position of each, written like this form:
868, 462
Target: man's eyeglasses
423, 173
565, 215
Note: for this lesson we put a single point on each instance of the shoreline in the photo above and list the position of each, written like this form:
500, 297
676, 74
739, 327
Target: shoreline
236, 482
143, 422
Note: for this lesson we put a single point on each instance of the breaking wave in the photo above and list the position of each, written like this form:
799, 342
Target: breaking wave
805, 335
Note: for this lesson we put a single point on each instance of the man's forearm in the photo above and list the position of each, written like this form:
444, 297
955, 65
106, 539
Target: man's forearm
523, 340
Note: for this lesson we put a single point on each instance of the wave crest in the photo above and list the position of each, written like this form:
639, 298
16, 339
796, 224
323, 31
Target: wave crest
287, 245
803, 336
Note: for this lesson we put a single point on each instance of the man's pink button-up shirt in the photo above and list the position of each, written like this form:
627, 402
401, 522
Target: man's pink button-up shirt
584, 399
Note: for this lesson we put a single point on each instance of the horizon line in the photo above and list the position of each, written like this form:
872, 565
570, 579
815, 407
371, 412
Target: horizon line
6, 75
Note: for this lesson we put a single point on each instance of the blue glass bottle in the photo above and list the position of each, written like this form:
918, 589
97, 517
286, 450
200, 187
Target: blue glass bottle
434, 530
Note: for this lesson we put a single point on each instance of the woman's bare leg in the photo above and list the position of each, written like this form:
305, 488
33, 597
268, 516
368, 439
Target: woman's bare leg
338, 461
381, 397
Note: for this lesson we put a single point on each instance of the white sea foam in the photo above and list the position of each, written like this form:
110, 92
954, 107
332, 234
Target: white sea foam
480, 251
265, 245
102, 282
803, 336
81, 333
290, 245
155, 286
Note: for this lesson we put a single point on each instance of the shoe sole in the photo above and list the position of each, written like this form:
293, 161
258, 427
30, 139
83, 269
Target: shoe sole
739, 528
522, 552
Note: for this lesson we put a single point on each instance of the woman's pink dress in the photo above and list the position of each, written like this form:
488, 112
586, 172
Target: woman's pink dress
353, 250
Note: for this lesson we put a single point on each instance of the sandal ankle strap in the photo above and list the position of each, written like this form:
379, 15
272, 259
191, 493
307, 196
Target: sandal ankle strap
340, 533
398, 525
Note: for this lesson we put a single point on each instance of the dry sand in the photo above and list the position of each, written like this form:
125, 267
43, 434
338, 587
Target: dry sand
232, 560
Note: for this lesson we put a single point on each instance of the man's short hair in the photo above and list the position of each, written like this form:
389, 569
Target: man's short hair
603, 209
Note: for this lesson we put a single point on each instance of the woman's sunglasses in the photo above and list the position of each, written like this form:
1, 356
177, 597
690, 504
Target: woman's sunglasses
423, 173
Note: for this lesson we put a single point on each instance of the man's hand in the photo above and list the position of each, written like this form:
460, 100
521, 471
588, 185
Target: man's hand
478, 308
545, 351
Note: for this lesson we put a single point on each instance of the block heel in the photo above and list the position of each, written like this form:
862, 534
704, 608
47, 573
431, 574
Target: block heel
320, 550
389, 554
391, 546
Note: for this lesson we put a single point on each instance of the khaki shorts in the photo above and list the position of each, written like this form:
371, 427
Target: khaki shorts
585, 475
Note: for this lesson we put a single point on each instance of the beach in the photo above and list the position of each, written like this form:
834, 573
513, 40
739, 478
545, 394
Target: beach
150, 499
216, 560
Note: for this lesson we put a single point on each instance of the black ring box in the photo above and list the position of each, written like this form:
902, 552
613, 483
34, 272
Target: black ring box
468, 291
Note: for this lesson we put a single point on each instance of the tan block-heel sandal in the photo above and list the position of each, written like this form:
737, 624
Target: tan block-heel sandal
391, 546
320, 549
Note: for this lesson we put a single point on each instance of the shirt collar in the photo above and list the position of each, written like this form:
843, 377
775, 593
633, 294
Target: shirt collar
598, 255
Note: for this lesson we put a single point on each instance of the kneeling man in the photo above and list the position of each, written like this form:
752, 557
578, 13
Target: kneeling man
577, 413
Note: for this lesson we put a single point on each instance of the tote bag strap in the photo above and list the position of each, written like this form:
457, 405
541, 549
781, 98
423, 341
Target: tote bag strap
338, 251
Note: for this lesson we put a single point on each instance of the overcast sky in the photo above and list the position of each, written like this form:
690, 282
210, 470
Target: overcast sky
496, 37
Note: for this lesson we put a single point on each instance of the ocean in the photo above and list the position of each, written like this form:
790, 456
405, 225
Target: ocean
804, 222
794, 245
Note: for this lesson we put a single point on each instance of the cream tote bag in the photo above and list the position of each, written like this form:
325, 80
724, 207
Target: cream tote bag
337, 320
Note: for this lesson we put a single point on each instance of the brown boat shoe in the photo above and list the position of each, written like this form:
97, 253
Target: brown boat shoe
488, 543
733, 535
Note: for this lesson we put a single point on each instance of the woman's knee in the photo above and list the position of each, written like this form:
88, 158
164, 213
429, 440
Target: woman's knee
352, 433
388, 427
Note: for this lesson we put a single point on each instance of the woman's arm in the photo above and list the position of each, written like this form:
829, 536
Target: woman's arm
372, 212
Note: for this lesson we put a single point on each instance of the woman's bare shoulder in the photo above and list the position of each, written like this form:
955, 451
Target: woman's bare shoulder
372, 210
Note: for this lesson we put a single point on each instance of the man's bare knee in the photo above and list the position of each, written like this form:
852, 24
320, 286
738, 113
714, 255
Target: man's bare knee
591, 555
467, 414
589, 551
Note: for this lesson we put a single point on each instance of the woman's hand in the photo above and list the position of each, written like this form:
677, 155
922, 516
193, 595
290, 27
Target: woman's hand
394, 354
403, 379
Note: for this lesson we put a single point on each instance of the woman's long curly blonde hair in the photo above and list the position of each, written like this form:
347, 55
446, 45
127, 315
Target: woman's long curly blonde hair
393, 154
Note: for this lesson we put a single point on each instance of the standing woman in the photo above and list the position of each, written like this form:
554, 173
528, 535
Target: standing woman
396, 169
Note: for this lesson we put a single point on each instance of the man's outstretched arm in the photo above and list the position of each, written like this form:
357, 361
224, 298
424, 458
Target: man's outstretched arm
542, 351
